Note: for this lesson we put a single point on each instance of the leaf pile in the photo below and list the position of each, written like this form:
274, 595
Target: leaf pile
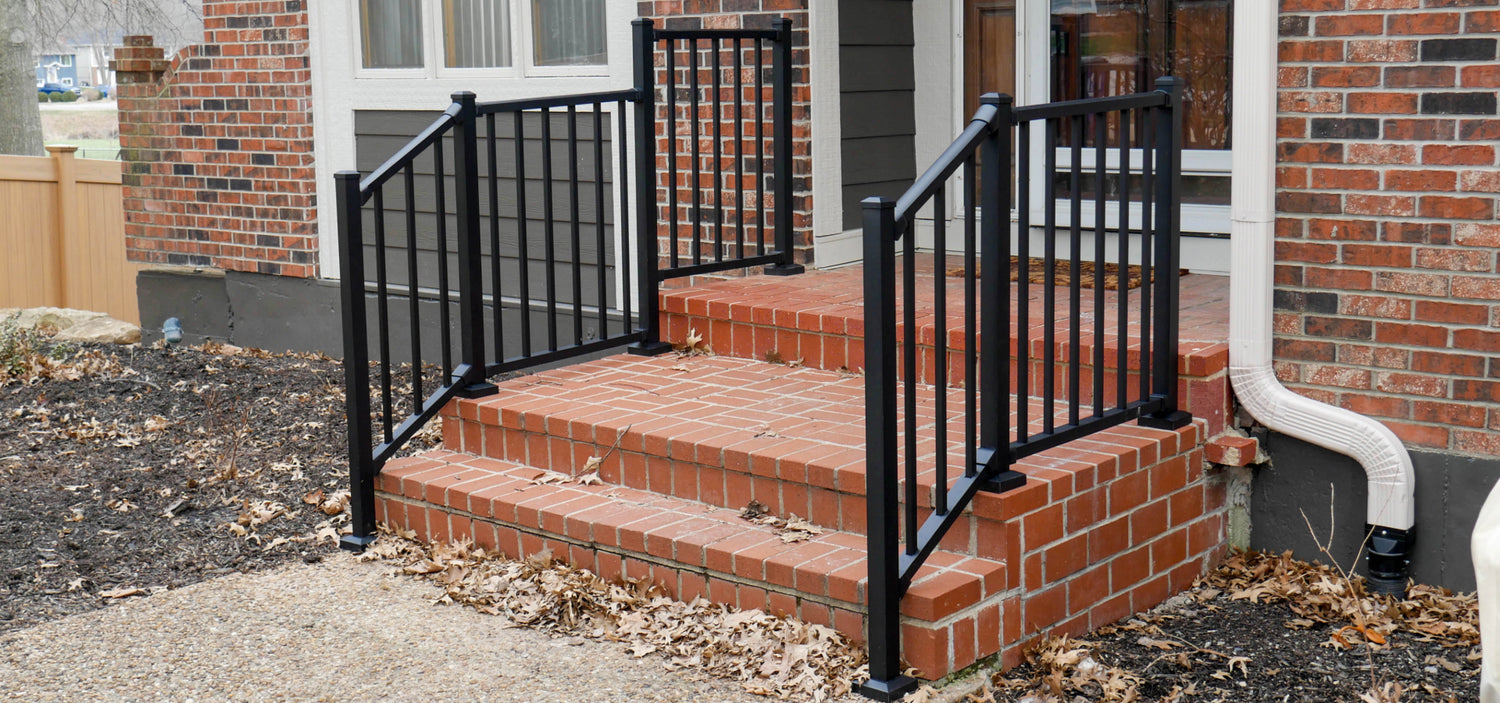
1318, 594
1067, 668
28, 356
771, 656
790, 530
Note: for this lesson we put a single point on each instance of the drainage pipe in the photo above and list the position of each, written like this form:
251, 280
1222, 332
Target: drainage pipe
1387, 465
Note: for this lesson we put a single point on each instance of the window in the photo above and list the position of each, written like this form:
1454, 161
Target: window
67, 82
482, 34
67, 60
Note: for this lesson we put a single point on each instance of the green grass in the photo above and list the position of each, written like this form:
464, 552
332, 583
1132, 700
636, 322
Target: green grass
108, 149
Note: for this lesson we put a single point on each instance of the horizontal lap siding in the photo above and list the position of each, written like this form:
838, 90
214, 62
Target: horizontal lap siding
381, 133
876, 83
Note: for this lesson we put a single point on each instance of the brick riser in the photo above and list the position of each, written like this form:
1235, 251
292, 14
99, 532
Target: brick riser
1106, 527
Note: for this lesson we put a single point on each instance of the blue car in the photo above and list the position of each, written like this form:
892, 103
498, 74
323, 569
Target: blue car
50, 88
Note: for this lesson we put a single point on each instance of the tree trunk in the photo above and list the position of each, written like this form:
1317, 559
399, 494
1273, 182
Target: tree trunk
20, 118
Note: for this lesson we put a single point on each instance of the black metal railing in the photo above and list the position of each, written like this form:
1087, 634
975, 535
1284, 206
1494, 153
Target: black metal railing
498, 225
1146, 132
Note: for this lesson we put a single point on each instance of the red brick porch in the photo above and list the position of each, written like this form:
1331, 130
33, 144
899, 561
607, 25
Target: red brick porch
1106, 526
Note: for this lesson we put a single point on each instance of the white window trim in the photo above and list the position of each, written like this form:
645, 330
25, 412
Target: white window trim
522, 47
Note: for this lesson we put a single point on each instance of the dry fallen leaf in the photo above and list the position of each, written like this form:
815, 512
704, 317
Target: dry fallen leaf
123, 593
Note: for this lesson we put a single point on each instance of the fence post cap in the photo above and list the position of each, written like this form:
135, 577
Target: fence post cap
1169, 84
642, 22
60, 149
876, 202
996, 99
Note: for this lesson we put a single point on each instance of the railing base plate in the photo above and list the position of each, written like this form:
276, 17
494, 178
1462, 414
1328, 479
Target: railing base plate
784, 269
478, 390
355, 543
1174, 420
892, 690
649, 348
1004, 481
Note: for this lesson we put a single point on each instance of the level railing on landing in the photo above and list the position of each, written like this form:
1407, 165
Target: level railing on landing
538, 239
1004, 417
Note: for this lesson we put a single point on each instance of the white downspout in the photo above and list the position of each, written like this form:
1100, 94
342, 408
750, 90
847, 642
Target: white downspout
1252, 242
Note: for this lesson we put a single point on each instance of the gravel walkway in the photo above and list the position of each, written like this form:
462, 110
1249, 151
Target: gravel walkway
338, 630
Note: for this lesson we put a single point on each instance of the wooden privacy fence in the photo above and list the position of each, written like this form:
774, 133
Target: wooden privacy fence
62, 235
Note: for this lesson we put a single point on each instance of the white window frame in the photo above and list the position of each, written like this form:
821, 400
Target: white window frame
523, 59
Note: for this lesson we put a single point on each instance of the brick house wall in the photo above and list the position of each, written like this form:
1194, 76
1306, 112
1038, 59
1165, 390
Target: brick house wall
1388, 298
217, 144
733, 14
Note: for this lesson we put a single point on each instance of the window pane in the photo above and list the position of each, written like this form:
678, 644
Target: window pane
568, 32
477, 32
391, 33
1118, 47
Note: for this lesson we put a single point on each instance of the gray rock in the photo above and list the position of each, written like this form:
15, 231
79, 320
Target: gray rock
102, 330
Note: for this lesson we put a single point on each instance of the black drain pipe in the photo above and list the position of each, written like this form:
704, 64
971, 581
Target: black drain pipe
1388, 556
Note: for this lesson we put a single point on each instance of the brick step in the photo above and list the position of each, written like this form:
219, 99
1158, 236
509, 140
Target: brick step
951, 615
818, 319
724, 431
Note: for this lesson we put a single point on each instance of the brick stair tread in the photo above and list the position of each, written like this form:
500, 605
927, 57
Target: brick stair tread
762, 423
679, 533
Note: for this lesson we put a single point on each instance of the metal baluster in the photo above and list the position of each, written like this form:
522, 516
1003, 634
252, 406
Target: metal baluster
909, 380
362, 467
470, 260
413, 300
760, 149
739, 151
1148, 234
495, 289
1122, 337
524, 255
1075, 261
445, 333
599, 257
1049, 280
625, 265
1169, 172
781, 93
573, 226
940, 340
382, 310
1101, 153
548, 235
671, 148
693, 149
971, 346
1023, 283
718, 156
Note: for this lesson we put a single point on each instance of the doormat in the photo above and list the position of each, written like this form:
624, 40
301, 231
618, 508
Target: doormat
1036, 273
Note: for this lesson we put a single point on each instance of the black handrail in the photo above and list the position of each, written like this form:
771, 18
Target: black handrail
597, 320
899, 541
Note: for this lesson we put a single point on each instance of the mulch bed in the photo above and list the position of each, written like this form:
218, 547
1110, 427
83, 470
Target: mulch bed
128, 470
1062, 269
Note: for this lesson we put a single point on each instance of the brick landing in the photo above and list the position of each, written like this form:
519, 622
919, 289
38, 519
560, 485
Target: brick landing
818, 317
1106, 527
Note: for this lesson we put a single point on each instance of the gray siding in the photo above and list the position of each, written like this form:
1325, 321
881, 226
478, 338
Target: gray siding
379, 134
876, 81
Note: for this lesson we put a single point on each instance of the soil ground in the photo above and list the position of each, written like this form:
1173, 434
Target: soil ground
128, 471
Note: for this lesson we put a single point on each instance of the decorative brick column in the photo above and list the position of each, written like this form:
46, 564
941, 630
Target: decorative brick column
1388, 298
737, 14
217, 144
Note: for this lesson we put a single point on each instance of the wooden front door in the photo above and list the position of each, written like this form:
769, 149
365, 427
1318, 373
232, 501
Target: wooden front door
989, 50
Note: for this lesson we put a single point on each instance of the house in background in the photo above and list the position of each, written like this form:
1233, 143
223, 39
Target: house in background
61, 69
1383, 298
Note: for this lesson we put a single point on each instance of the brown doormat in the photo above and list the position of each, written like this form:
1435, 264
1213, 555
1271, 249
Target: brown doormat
1036, 273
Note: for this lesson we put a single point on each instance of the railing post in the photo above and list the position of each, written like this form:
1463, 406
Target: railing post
884, 590
994, 295
362, 467
1167, 260
648, 282
781, 97
471, 374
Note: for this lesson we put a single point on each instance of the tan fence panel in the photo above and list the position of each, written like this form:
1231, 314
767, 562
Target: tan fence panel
62, 235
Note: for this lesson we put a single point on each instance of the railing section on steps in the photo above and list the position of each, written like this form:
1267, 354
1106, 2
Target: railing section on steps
1130, 145
542, 231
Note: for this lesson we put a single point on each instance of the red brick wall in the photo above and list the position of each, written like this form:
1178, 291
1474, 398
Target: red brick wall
217, 144
1388, 298
732, 14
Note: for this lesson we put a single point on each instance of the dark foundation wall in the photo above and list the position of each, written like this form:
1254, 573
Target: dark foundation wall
276, 313
1450, 491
